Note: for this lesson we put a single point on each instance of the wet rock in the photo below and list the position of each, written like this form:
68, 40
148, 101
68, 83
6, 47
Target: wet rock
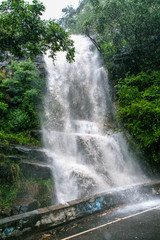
36, 170
25, 206
24, 153
32, 154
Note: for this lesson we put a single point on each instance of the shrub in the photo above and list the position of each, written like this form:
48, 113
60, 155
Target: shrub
139, 109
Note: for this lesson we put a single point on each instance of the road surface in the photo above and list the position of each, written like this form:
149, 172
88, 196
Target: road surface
132, 222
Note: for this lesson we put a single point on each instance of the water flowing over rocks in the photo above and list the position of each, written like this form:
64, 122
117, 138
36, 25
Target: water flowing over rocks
86, 158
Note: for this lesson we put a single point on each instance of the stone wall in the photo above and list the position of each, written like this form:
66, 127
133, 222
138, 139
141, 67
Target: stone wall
24, 224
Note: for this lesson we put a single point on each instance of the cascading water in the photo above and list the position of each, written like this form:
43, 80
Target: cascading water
85, 159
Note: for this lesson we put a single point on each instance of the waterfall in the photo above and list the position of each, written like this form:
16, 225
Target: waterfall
85, 158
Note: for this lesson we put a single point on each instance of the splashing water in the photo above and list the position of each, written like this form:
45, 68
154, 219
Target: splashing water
85, 160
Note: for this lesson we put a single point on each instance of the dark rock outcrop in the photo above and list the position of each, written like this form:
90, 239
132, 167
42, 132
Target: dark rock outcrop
36, 170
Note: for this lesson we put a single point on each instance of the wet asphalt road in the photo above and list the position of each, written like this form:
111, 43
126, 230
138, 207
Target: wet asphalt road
132, 222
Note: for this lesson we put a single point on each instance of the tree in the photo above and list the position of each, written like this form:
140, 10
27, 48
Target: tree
24, 34
130, 29
139, 109
127, 33
68, 21
22, 90
73, 18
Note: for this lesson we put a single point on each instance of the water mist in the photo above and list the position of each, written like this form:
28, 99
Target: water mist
85, 158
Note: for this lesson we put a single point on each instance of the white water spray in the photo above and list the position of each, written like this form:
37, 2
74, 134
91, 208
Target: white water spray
85, 159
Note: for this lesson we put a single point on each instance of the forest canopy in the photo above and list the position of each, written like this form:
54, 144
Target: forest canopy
24, 34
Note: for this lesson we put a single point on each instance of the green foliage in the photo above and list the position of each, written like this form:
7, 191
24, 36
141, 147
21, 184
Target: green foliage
44, 196
75, 20
126, 31
24, 34
21, 96
18, 121
14, 185
3, 104
22, 138
22, 93
11, 170
40, 189
139, 108
2, 76
8, 194
130, 27
9, 177
68, 19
